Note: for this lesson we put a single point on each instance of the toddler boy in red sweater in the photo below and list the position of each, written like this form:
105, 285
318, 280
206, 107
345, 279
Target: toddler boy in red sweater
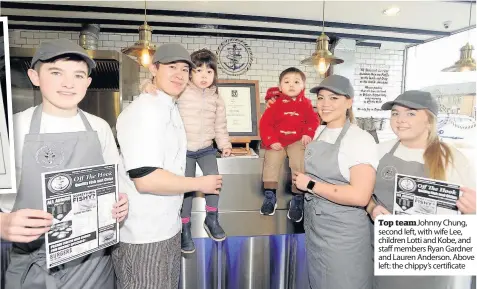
286, 128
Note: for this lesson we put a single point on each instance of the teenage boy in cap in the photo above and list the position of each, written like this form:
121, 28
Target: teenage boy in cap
153, 144
52, 136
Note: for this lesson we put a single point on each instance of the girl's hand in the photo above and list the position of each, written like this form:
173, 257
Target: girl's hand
149, 88
121, 208
226, 152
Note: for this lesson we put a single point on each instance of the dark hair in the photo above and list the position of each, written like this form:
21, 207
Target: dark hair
207, 58
65, 57
292, 70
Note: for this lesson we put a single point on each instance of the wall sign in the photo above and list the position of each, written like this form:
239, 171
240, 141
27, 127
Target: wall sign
374, 84
242, 104
234, 57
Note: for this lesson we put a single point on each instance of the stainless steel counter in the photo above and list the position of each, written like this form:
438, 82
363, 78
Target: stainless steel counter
241, 198
261, 252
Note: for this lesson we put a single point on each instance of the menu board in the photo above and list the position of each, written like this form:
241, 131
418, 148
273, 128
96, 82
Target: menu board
373, 86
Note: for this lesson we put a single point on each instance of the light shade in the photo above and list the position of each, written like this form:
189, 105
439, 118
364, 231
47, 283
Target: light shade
143, 49
322, 58
465, 63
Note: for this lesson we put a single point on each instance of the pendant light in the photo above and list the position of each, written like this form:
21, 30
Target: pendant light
466, 62
322, 58
143, 49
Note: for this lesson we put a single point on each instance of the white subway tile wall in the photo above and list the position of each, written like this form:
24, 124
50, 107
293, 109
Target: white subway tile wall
270, 56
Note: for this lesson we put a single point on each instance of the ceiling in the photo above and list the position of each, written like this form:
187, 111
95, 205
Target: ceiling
417, 21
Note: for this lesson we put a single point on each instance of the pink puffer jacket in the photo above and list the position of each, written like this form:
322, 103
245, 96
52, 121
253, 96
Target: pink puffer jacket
204, 117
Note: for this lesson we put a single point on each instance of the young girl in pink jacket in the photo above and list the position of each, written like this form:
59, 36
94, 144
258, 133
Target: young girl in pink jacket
203, 113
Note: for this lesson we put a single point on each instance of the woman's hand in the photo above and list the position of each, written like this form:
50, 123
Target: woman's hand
271, 101
466, 202
379, 210
301, 181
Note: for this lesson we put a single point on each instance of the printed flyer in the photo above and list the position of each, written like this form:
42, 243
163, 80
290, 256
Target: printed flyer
81, 201
414, 195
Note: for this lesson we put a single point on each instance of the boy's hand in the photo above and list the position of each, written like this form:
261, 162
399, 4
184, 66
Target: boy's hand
25, 226
305, 140
121, 208
277, 146
226, 152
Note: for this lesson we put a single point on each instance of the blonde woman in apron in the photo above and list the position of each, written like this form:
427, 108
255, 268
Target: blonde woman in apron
419, 152
340, 169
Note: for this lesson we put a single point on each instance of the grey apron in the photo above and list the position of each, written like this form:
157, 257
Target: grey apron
52, 152
388, 167
337, 236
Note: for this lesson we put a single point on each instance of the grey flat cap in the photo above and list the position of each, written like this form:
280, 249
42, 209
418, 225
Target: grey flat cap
172, 52
415, 99
58, 47
337, 84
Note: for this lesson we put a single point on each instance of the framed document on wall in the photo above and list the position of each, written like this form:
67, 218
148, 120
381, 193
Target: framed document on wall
242, 104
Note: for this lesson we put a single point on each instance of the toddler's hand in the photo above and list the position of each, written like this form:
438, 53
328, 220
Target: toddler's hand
305, 140
277, 146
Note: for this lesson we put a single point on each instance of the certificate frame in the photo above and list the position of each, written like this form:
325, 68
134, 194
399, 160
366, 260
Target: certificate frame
241, 137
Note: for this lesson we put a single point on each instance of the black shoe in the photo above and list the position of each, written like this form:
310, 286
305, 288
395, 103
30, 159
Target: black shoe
187, 244
269, 204
295, 212
213, 228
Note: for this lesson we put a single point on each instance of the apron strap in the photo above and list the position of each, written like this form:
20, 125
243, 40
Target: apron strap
35, 122
86, 123
393, 150
343, 132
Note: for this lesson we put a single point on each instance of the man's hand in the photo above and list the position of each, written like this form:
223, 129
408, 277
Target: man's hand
210, 184
276, 146
301, 181
466, 203
305, 140
25, 226
121, 208
226, 152
379, 210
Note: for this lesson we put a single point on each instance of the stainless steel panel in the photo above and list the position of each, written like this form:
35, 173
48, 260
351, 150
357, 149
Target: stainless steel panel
264, 263
201, 269
242, 186
104, 104
248, 223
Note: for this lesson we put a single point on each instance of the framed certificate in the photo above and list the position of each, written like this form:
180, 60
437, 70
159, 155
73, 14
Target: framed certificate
242, 105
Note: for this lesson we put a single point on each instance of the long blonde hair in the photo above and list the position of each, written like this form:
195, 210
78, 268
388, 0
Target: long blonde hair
437, 155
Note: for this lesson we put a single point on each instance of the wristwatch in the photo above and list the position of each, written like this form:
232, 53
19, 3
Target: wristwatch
310, 186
